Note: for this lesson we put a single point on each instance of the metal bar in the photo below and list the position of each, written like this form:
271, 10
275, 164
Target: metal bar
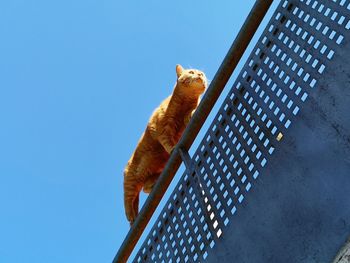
222, 76
186, 158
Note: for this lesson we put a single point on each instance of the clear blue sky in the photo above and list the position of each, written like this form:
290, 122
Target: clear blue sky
78, 82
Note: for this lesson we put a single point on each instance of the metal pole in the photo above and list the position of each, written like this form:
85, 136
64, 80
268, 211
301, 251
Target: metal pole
222, 76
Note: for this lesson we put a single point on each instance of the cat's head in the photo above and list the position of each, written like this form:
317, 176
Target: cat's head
193, 81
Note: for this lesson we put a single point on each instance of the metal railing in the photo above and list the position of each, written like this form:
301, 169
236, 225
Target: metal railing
217, 85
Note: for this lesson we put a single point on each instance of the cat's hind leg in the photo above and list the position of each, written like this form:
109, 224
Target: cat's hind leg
150, 182
132, 188
136, 206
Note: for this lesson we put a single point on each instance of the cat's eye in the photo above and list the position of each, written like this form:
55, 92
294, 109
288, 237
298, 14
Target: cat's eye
191, 72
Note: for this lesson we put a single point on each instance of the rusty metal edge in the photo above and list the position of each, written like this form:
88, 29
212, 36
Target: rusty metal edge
213, 92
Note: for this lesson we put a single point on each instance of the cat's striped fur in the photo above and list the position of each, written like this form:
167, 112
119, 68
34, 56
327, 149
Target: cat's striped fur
162, 133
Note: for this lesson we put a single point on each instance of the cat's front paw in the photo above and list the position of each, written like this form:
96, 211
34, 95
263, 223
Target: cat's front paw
170, 149
188, 117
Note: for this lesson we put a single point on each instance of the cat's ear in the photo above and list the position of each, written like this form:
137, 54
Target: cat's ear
179, 70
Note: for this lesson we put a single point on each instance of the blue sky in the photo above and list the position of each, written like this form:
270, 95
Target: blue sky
78, 82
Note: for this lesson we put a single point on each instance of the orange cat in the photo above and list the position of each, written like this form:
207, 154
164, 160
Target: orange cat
162, 133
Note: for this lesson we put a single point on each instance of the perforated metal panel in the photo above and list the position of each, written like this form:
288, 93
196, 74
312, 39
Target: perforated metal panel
284, 123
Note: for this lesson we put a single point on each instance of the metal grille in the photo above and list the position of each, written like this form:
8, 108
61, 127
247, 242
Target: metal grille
296, 48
